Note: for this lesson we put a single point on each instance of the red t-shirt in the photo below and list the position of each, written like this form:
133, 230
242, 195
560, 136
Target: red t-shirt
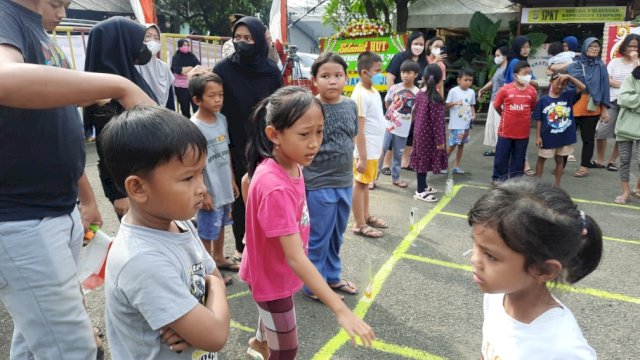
517, 106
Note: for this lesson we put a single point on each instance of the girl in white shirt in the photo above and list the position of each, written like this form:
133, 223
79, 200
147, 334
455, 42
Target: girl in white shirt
526, 234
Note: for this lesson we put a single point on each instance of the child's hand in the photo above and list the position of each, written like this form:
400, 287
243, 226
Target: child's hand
207, 202
176, 342
440, 147
539, 142
361, 166
236, 191
354, 326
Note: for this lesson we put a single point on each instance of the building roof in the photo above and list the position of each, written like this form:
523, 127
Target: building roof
110, 6
571, 3
456, 14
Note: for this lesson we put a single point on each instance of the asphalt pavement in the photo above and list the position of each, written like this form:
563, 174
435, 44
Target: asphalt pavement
424, 303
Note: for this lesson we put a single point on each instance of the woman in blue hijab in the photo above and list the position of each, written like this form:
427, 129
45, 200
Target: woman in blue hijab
594, 101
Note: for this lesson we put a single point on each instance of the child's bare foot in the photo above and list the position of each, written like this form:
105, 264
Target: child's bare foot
258, 347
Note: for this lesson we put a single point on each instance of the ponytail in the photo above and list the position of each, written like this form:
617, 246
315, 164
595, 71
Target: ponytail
432, 76
259, 147
588, 257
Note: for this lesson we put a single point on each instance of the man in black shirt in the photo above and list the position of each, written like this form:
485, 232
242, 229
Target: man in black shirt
41, 167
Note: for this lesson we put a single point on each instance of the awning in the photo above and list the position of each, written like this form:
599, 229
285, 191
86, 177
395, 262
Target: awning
456, 14
108, 6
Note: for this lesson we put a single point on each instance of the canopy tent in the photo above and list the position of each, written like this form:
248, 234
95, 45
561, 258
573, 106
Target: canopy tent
456, 14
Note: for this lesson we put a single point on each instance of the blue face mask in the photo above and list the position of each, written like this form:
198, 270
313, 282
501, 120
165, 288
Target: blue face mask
377, 79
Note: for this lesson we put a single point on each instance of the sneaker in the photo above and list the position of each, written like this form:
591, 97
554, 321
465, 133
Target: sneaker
457, 170
571, 158
425, 196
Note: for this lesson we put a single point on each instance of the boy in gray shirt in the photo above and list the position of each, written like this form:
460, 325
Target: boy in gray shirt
165, 298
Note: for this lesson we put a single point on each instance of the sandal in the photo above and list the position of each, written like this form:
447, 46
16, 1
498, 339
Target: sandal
635, 194
581, 173
489, 153
372, 185
595, 165
368, 231
429, 190
376, 223
232, 265
345, 286
530, 172
620, 200
612, 167
315, 298
228, 280
401, 184
386, 171
424, 196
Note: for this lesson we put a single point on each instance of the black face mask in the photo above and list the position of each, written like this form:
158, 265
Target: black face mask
144, 56
246, 51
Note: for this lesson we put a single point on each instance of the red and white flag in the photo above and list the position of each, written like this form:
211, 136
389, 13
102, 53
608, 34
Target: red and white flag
278, 20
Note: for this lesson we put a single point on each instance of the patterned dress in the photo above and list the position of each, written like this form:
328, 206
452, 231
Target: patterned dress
428, 133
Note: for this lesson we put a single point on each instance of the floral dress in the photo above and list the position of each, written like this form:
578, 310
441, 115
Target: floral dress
428, 133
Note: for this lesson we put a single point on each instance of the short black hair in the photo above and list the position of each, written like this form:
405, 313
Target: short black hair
466, 72
366, 60
410, 66
198, 82
555, 48
520, 65
328, 57
144, 137
625, 43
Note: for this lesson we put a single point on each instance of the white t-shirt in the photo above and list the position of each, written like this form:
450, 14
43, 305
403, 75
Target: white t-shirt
554, 335
460, 115
401, 108
370, 107
619, 71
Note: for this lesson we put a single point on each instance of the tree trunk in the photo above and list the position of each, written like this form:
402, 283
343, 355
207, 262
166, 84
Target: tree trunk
385, 11
402, 9
370, 9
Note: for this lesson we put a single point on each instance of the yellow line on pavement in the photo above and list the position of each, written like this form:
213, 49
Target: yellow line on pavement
237, 325
239, 294
363, 305
405, 351
585, 291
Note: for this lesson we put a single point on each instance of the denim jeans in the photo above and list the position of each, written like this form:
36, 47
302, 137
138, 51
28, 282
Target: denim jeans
397, 144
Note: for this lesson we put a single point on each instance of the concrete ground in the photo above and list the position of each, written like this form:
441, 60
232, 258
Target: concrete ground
424, 304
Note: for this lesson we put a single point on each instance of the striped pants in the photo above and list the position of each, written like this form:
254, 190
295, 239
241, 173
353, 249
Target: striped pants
277, 325
626, 152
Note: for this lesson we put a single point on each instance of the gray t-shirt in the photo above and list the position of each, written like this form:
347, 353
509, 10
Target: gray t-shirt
497, 81
333, 165
217, 174
153, 278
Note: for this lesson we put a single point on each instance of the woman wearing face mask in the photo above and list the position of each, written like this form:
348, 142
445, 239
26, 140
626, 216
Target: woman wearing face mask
436, 55
248, 76
182, 62
414, 51
594, 101
520, 50
496, 82
156, 73
115, 46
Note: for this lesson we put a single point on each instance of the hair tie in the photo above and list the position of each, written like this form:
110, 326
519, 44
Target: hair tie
583, 218
430, 77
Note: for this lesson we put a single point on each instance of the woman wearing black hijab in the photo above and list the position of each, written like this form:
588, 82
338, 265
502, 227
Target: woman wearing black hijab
115, 46
248, 76
182, 62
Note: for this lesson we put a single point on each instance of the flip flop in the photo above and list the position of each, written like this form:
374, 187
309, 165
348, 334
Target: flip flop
489, 153
636, 194
376, 222
232, 265
401, 184
580, 173
529, 172
595, 165
620, 200
227, 280
386, 171
368, 231
315, 298
612, 167
344, 286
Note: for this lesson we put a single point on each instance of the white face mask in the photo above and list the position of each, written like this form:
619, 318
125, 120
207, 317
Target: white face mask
417, 49
154, 47
498, 59
524, 79
436, 51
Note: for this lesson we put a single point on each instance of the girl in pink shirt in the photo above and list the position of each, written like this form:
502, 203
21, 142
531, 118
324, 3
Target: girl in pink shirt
289, 128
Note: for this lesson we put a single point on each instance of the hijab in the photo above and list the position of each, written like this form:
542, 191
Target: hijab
157, 75
516, 48
572, 42
593, 73
113, 47
258, 64
183, 60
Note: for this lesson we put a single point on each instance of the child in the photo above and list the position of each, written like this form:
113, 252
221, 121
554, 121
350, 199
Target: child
428, 133
329, 178
460, 102
514, 102
206, 89
527, 234
163, 292
555, 126
371, 125
399, 101
288, 132
560, 59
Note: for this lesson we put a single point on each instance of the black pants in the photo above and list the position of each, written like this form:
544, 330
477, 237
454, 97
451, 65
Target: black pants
587, 125
184, 99
239, 169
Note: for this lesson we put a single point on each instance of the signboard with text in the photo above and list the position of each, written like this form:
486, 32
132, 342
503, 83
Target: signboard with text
563, 15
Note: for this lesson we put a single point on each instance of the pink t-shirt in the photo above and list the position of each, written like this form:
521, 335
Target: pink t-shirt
276, 206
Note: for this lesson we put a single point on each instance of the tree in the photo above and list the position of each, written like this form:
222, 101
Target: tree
340, 12
212, 17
